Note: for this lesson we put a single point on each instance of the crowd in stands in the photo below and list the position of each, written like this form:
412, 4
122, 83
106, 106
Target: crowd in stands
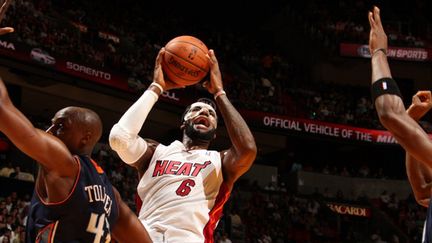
405, 213
256, 76
281, 216
407, 25
13, 216
263, 215
254, 213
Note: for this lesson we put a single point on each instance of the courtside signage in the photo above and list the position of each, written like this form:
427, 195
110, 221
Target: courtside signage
399, 53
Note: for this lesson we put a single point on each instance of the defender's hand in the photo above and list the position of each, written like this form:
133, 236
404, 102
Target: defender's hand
377, 36
421, 104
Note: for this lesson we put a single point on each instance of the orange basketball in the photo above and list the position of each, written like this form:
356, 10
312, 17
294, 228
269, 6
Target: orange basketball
185, 60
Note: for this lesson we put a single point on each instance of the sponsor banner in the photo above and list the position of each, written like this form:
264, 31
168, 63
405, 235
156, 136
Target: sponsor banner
102, 34
97, 75
177, 97
352, 210
14, 50
6, 45
39, 56
184, 97
287, 124
400, 53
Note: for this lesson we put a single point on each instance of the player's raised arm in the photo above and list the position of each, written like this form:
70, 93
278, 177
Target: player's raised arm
239, 158
124, 138
37, 144
387, 97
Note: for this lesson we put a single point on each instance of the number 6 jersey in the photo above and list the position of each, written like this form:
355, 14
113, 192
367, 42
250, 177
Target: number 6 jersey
182, 194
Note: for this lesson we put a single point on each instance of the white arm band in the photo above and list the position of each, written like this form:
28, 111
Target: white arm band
124, 137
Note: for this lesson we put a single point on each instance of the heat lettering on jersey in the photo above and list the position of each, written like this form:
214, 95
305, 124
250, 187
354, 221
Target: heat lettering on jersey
97, 193
172, 167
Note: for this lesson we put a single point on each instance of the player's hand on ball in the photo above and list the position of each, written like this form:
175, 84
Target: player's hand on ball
158, 76
215, 84
421, 104
185, 61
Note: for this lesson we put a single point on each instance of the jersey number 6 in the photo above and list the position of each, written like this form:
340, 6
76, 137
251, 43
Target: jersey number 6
185, 187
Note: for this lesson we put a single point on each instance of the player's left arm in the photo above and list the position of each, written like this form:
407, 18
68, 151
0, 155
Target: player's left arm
389, 105
419, 174
128, 228
239, 158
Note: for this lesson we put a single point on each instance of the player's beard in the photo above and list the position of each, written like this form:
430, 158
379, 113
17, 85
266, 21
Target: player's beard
194, 134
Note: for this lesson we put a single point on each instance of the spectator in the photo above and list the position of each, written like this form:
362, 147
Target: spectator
6, 237
20, 175
7, 170
224, 238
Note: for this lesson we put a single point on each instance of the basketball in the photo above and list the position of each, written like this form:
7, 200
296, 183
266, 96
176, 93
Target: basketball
185, 60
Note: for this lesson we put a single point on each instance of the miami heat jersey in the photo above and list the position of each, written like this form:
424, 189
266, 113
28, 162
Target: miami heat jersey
87, 215
182, 194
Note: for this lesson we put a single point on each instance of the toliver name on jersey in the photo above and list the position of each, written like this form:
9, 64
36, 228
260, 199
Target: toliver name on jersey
97, 193
172, 167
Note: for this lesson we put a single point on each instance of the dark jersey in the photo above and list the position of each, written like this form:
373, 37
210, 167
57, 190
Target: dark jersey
87, 215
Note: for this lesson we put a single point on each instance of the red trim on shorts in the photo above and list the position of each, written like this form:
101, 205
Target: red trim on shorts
70, 193
216, 212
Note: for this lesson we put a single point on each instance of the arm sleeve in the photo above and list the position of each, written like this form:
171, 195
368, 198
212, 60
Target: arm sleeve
124, 137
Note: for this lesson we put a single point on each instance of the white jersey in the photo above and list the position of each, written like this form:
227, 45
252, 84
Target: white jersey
182, 194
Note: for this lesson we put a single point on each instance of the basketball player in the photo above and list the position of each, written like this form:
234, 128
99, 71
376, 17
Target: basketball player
400, 123
73, 200
420, 174
183, 186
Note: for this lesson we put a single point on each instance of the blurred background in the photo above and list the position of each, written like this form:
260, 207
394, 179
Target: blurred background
298, 72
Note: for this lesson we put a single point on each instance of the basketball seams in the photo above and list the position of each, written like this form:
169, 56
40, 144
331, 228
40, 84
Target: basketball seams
191, 43
167, 66
193, 64
186, 60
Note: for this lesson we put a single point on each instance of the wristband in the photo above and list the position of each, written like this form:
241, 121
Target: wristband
158, 86
384, 86
219, 93
378, 50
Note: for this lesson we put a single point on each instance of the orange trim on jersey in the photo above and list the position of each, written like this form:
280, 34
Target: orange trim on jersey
51, 234
216, 212
97, 167
70, 193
